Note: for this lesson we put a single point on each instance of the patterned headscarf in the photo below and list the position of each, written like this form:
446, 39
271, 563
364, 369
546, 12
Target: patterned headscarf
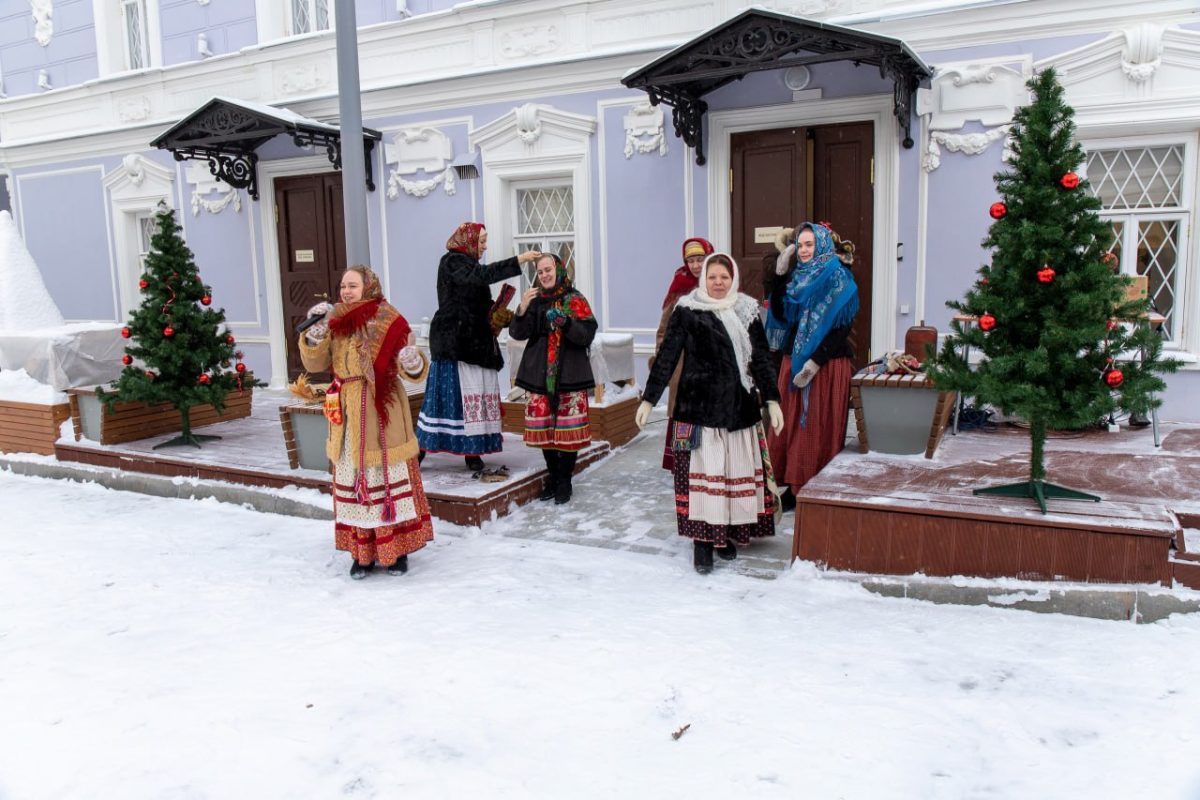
565, 301
821, 296
684, 281
465, 239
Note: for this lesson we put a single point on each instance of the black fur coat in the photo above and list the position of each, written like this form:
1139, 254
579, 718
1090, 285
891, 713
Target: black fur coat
575, 372
461, 330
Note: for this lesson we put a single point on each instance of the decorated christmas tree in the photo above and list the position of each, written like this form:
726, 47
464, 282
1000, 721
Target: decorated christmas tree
1062, 346
184, 354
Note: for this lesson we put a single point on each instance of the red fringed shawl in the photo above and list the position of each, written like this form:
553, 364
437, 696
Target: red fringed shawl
380, 332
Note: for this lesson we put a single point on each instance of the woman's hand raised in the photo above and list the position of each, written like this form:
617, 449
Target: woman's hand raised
526, 299
529, 255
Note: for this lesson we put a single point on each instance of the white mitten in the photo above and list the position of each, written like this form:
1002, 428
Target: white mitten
806, 374
784, 260
321, 329
410, 360
643, 414
775, 414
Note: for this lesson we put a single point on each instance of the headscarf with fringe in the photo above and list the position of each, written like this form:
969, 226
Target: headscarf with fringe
684, 281
735, 310
465, 239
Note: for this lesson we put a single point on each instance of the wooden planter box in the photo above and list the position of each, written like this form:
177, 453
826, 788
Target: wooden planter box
305, 430
127, 422
30, 427
610, 423
903, 414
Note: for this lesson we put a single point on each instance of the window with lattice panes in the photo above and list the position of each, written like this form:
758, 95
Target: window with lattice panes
1146, 195
147, 226
546, 222
309, 15
136, 35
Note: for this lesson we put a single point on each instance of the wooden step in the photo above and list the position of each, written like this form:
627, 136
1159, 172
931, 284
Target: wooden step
1186, 573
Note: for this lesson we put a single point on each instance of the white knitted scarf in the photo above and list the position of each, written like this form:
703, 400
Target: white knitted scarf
735, 310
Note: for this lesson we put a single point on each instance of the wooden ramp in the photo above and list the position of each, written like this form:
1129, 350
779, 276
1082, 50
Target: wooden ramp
899, 515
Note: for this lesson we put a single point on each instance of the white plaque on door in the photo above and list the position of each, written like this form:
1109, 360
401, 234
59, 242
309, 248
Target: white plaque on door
305, 255
766, 235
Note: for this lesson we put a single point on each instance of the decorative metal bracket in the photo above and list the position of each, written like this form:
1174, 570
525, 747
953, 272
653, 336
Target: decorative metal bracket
237, 168
333, 149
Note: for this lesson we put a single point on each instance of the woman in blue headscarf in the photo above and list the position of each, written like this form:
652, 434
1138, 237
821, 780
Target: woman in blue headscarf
809, 320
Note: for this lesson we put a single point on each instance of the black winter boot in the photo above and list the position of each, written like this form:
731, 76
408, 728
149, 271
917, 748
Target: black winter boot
474, 463
420, 456
728, 552
359, 571
566, 468
400, 567
549, 490
702, 557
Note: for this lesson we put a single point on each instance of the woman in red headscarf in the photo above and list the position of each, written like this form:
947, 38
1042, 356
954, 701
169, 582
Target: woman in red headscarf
380, 511
461, 412
686, 278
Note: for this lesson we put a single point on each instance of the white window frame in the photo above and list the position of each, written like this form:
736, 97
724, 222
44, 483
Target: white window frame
312, 6
1185, 332
111, 50
540, 241
132, 197
142, 53
274, 18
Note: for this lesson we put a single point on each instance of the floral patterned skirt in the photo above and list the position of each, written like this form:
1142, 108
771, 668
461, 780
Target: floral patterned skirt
569, 429
359, 527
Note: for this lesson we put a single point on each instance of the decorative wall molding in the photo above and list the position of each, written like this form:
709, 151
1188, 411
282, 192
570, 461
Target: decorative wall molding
204, 184
531, 129
134, 108
644, 130
1142, 54
140, 180
986, 92
43, 20
530, 40
970, 143
414, 150
303, 77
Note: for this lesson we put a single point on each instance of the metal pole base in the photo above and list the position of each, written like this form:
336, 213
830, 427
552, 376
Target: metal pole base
1037, 490
194, 439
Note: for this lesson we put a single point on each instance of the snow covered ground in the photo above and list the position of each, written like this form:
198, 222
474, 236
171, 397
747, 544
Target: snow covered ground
155, 648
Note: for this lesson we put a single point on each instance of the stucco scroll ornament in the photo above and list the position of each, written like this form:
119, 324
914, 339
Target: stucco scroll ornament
534, 40
134, 169
644, 131
529, 127
970, 143
1142, 54
204, 185
43, 18
414, 150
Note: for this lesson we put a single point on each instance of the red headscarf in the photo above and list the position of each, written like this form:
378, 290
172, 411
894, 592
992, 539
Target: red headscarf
465, 239
684, 281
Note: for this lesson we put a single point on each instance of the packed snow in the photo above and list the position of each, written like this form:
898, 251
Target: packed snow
24, 302
17, 386
189, 649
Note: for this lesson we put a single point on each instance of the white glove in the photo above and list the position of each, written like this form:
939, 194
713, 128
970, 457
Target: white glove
775, 414
643, 414
321, 329
806, 374
410, 360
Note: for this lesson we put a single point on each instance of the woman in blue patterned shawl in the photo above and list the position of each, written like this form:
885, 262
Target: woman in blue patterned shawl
809, 321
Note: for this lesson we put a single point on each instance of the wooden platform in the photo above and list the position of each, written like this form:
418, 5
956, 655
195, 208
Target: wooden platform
127, 422
252, 451
900, 515
30, 427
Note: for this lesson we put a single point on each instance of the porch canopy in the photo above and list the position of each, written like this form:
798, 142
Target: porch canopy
757, 40
227, 133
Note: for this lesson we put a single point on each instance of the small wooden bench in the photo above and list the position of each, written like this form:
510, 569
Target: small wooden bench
898, 418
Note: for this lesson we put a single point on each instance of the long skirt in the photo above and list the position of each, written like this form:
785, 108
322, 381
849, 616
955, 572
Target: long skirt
359, 527
461, 410
801, 451
721, 488
568, 430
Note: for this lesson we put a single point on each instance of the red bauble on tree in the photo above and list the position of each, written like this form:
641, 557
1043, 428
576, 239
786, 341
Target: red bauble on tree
143, 283
127, 359
126, 333
1114, 378
168, 331
1111, 260
1046, 274
998, 210
151, 374
987, 322
203, 379
230, 339
206, 300
1069, 180
240, 367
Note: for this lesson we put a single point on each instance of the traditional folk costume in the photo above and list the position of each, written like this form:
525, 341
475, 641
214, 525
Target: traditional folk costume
810, 317
682, 282
723, 479
557, 373
461, 412
381, 514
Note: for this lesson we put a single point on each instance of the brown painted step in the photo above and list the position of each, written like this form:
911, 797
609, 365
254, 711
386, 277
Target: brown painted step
1186, 573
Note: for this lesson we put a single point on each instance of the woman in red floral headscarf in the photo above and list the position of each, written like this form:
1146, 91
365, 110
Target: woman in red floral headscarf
555, 369
685, 279
381, 514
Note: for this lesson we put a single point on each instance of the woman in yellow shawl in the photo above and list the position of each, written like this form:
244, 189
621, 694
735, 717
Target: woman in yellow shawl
381, 514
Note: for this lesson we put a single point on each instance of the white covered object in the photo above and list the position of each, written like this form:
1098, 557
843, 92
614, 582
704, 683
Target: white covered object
24, 302
80, 354
611, 356
16, 386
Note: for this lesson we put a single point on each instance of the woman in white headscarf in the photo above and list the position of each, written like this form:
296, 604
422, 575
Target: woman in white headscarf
723, 482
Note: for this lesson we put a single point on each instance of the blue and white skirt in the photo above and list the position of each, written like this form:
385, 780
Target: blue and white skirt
461, 412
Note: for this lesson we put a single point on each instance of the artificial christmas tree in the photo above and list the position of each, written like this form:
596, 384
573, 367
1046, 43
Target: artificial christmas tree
181, 346
1053, 315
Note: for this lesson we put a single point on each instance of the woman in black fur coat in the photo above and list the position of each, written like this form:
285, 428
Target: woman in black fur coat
559, 326
723, 483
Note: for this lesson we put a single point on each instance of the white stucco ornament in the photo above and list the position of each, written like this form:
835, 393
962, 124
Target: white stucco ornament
644, 131
419, 150
1142, 55
43, 20
529, 127
204, 184
531, 40
986, 93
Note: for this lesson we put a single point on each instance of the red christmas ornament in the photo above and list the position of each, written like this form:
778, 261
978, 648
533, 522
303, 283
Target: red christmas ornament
1069, 181
1111, 260
998, 210
1112, 324
168, 331
143, 283
1046, 274
126, 333
204, 379
983, 281
206, 300
230, 339
240, 367
127, 359
1114, 378
237, 354
987, 322
151, 374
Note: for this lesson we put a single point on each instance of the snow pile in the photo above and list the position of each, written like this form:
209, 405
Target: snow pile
16, 386
24, 302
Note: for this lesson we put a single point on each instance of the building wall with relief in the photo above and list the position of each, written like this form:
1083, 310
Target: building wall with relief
534, 87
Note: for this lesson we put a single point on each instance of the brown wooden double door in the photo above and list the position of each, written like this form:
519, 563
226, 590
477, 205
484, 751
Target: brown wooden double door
312, 249
782, 177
